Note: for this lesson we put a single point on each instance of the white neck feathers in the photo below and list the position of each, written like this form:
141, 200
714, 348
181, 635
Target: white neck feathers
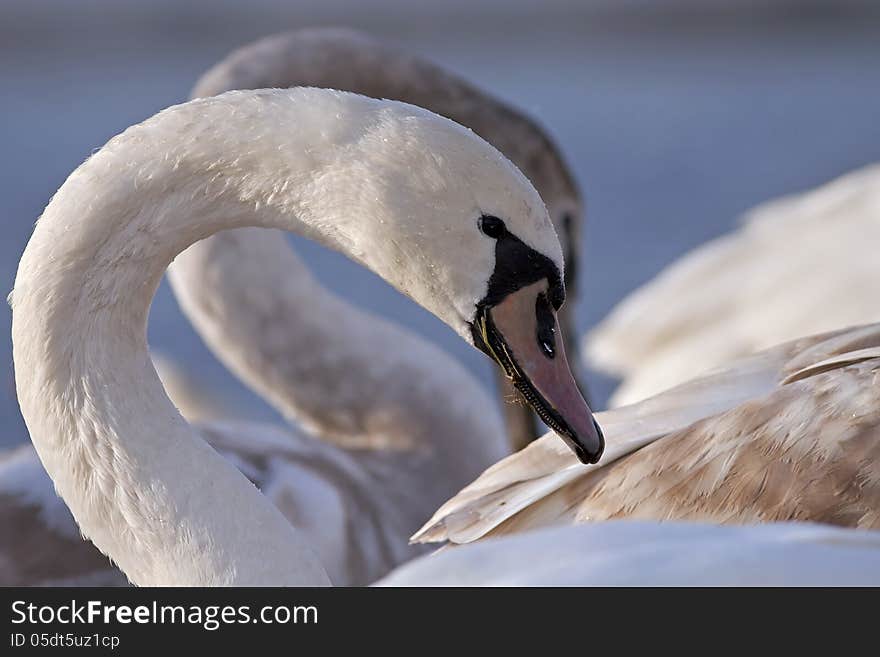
149, 492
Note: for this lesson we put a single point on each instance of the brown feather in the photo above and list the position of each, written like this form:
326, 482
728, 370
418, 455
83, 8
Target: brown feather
806, 450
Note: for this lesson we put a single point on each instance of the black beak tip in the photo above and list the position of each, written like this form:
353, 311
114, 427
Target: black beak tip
601, 436
589, 456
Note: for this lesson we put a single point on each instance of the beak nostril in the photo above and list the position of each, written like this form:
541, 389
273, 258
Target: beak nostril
545, 324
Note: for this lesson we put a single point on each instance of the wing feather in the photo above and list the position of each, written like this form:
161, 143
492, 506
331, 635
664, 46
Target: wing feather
735, 445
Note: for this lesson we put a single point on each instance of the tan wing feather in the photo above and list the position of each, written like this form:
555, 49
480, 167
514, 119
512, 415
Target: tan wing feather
758, 462
751, 440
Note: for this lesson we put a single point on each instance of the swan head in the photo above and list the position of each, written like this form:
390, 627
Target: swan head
448, 220
515, 324
420, 200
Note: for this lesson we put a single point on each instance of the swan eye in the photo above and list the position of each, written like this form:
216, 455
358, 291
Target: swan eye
491, 226
546, 326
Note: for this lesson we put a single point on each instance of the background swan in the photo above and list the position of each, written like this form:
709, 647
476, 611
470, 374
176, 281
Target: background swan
404, 425
248, 332
630, 553
141, 484
791, 433
800, 265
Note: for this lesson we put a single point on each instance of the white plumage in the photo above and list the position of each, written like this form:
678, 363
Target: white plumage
799, 266
629, 553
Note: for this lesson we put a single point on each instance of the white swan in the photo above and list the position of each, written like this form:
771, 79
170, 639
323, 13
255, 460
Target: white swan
800, 265
633, 553
413, 426
791, 433
418, 199
254, 334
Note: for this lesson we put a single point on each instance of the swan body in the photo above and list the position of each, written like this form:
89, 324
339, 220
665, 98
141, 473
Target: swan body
799, 266
791, 433
248, 332
398, 189
641, 553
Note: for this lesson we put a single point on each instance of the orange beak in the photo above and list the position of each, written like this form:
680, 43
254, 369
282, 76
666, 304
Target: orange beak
522, 335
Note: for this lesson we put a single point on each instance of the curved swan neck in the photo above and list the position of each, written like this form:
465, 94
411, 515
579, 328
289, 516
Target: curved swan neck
350, 377
149, 492
351, 172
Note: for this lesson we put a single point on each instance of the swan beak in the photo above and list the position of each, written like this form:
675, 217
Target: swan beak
522, 335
